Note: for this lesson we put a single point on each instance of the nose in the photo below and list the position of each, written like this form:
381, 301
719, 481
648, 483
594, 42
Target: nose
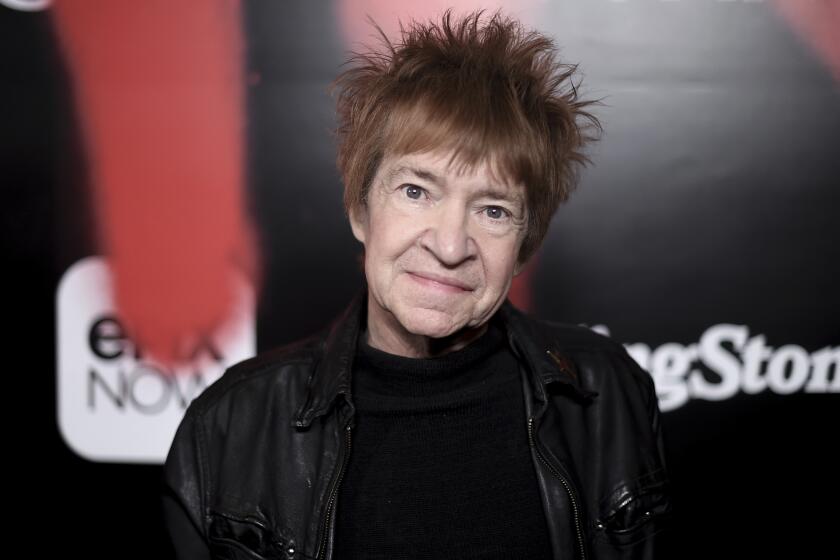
448, 237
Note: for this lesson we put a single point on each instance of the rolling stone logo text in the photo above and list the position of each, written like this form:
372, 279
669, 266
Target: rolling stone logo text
729, 359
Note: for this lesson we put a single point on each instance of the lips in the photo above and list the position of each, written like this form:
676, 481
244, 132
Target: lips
443, 281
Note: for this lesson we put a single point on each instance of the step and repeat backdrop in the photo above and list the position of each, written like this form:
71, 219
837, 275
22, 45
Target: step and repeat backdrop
171, 204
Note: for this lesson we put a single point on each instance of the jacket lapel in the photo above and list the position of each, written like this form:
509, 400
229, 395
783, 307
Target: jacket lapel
331, 376
544, 355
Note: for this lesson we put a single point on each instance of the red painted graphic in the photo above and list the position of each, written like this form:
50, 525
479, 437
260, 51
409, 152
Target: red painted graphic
159, 88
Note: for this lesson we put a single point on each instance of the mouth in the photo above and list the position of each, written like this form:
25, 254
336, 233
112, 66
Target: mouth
450, 285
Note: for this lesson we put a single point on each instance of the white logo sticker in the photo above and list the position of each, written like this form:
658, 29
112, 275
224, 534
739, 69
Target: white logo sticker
115, 404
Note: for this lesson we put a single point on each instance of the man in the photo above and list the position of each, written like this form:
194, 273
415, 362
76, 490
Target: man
433, 419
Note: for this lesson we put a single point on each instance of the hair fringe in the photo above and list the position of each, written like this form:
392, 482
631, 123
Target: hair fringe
486, 89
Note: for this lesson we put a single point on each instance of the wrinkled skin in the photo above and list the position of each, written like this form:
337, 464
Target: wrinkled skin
440, 252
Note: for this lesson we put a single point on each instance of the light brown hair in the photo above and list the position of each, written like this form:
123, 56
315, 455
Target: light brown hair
486, 91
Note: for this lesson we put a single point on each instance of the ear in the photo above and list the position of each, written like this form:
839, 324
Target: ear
358, 222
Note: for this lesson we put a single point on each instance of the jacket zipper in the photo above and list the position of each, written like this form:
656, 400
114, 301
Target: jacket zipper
333, 492
566, 485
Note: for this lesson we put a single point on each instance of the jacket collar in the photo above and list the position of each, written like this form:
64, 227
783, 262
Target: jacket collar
331, 377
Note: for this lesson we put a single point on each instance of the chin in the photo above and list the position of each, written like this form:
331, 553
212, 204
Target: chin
428, 322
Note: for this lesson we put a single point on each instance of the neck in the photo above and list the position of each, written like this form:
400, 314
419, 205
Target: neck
385, 333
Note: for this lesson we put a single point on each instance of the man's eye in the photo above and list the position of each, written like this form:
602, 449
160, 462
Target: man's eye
496, 212
413, 191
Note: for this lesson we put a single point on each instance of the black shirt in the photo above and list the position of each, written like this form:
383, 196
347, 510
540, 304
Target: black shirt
440, 465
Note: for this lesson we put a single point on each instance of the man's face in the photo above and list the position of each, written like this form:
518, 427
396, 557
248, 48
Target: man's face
440, 248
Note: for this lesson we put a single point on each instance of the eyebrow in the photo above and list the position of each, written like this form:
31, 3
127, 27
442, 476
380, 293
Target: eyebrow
493, 192
426, 175
421, 173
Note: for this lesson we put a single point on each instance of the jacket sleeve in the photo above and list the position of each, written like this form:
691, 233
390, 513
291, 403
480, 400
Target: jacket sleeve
642, 533
658, 543
182, 492
655, 416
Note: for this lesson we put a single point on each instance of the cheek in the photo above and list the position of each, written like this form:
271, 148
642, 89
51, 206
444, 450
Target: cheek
392, 234
499, 262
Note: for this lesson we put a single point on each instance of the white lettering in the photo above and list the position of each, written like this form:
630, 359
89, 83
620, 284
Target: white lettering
777, 378
720, 361
754, 354
669, 364
826, 361
743, 364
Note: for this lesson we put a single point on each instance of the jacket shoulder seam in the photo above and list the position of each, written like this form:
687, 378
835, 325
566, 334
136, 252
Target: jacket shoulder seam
303, 352
587, 338
244, 377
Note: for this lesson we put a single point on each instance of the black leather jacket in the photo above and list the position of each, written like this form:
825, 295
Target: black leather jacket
256, 463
